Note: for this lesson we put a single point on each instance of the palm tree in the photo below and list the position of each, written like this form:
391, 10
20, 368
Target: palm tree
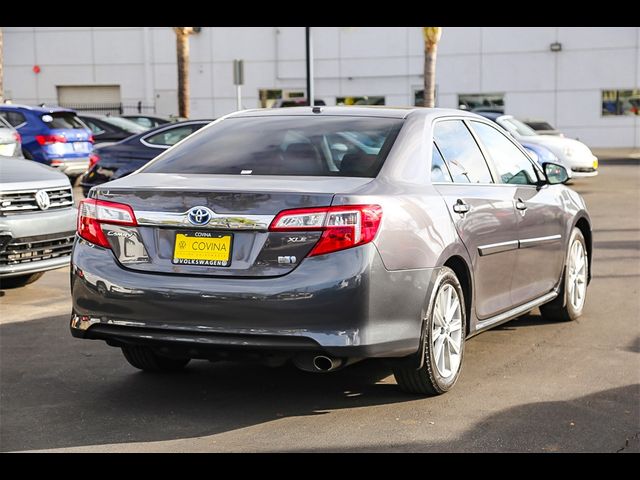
431, 38
182, 48
1, 85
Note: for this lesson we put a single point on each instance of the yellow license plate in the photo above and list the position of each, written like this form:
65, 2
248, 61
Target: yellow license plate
203, 248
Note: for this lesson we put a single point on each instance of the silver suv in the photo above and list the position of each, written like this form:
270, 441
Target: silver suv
37, 221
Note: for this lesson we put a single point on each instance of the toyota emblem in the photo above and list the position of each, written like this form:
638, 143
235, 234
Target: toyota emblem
199, 215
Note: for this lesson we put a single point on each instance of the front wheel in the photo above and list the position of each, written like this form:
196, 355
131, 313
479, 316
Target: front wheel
20, 280
569, 303
444, 325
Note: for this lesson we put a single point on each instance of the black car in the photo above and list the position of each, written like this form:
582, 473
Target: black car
106, 128
120, 159
147, 121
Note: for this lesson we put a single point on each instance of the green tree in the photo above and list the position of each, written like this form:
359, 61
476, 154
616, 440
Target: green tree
431, 38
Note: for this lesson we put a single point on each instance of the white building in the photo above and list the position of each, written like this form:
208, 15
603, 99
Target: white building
584, 81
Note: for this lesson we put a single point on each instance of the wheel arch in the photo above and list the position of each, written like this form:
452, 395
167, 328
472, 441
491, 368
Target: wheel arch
583, 224
460, 267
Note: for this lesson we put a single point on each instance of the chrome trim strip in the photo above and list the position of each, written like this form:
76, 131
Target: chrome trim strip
492, 248
534, 242
514, 312
218, 221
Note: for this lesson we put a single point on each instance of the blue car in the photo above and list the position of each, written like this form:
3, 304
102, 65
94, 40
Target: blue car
539, 153
53, 136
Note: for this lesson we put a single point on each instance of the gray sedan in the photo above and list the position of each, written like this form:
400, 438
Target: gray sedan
37, 221
273, 234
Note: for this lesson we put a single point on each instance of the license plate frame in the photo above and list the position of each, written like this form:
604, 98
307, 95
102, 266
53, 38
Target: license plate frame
198, 252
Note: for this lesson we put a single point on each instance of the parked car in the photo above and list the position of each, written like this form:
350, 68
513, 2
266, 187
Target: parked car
10, 145
147, 121
573, 155
295, 102
539, 153
248, 238
543, 127
120, 159
108, 129
51, 135
37, 221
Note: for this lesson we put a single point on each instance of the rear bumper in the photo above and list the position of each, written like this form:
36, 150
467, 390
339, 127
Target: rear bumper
345, 304
71, 166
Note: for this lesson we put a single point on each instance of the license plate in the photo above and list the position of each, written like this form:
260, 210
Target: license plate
7, 150
203, 248
80, 147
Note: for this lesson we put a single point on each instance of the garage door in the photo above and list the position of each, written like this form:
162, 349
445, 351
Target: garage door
88, 98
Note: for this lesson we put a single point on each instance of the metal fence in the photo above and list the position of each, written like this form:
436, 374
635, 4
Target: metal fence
111, 108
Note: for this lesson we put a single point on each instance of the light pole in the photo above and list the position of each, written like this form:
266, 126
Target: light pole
309, 51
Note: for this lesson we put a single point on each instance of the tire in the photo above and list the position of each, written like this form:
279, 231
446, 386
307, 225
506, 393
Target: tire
564, 307
144, 358
26, 154
20, 281
433, 377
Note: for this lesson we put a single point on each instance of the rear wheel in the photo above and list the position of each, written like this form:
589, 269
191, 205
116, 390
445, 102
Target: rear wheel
20, 281
442, 341
569, 303
26, 154
146, 359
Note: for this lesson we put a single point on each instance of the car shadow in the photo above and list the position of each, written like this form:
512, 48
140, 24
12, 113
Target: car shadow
574, 425
59, 392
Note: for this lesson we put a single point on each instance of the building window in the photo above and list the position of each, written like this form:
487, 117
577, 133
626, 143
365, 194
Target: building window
487, 101
280, 98
366, 100
620, 102
418, 96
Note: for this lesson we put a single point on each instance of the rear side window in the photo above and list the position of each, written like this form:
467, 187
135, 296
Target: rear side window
285, 145
15, 119
62, 120
3, 122
461, 152
172, 136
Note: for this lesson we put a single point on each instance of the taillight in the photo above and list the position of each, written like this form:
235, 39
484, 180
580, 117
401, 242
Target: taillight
91, 139
93, 159
17, 137
92, 213
50, 139
342, 226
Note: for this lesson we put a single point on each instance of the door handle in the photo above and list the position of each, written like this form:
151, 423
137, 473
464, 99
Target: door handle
520, 205
461, 207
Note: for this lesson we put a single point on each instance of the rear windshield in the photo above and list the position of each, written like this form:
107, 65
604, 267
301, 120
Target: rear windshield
285, 145
62, 120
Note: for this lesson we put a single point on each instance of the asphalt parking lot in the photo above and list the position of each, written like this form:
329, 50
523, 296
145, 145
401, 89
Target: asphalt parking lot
529, 385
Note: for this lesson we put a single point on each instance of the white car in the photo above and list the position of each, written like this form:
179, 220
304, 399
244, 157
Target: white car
575, 156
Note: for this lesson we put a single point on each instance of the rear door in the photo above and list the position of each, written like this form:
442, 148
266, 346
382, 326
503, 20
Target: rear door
540, 216
482, 211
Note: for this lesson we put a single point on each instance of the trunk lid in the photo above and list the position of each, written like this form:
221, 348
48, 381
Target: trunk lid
242, 208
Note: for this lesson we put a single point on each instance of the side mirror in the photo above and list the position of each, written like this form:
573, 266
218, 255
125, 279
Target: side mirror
555, 173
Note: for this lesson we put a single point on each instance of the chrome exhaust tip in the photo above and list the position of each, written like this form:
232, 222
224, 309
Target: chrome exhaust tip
323, 363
